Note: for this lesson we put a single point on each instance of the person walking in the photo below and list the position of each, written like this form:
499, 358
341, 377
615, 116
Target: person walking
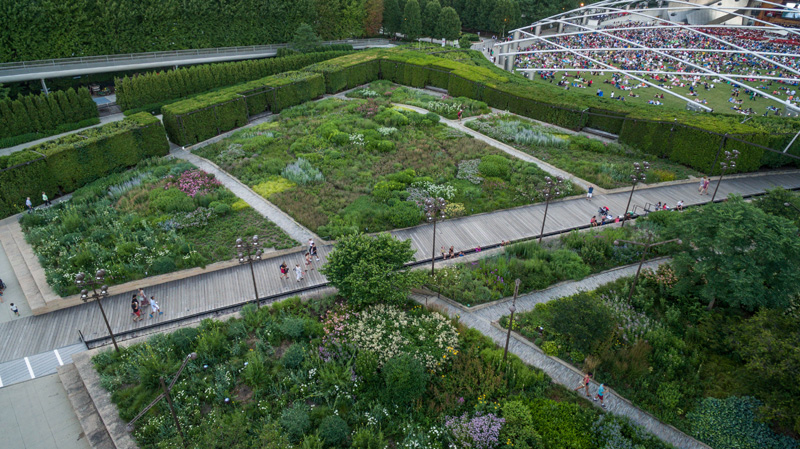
706, 183
314, 251
460, 112
137, 312
702, 183
308, 262
46, 200
600, 394
310, 244
29, 205
154, 307
589, 193
284, 271
2, 289
14, 309
587, 379
298, 272
143, 301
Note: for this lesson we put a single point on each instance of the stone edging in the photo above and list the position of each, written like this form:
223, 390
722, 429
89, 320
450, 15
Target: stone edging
521, 339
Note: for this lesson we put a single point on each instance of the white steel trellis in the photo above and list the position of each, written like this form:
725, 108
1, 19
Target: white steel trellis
510, 49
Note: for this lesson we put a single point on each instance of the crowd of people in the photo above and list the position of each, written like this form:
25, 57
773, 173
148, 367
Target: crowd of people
766, 71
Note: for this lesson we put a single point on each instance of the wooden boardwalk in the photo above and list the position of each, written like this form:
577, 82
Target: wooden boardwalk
225, 288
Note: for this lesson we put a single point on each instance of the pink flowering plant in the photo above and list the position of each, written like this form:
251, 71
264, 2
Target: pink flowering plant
193, 182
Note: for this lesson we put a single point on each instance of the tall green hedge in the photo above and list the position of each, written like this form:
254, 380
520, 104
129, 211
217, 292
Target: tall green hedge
60, 166
45, 113
153, 88
204, 116
688, 138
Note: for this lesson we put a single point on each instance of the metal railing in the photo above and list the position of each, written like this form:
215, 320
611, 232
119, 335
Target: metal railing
175, 53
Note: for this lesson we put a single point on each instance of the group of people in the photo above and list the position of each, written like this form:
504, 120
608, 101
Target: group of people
299, 272
677, 54
29, 203
451, 253
140, 302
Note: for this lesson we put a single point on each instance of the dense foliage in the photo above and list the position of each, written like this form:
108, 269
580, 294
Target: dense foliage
603, 164
32, 117
668, 353
160, 217
572, 256
77, 159
443, 105
149, 90
130, 26
368, 166
385, 376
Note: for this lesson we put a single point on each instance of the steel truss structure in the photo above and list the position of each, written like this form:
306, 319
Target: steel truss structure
561, 51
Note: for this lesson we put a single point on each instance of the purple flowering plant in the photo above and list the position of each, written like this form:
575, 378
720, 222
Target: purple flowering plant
479, 432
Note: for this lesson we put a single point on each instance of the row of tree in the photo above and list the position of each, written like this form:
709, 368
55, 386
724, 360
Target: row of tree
44, 113
415, 20
95, 27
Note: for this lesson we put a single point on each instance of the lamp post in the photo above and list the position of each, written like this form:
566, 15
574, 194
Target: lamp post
250, 252
165, 394
551, 189
647, 245
729, 162
637, 176
434, 210
511, 309
81, 281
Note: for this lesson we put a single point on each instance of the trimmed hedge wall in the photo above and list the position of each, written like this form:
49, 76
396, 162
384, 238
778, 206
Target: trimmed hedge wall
154, 88
60, 166
688, 138
45, 114
204, 116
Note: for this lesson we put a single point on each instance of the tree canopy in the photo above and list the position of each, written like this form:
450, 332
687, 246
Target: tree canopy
366, 269
430, 20
412, 20
449, 24
738, 255
305, 38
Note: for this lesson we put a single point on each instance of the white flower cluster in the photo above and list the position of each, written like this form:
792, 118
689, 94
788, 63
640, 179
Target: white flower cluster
387, 131
429, 189
442, 107
468, 169
357, 140
368, 93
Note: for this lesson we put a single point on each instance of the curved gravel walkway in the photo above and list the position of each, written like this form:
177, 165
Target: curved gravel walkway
485, 321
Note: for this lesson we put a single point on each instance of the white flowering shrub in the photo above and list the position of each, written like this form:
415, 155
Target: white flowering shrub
389, 331
387, 131
368, 93
418, 191
357, 140
468, 170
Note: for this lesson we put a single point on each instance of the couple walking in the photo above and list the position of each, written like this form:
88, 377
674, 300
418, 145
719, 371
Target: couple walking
601, 391
704, 183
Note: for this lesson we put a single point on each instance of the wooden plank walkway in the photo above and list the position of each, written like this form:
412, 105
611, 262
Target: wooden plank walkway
35, 334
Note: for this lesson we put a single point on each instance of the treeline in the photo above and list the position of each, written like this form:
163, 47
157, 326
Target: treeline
97, 27
150, 90
45, 114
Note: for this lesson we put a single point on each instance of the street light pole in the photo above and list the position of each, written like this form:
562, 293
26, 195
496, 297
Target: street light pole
248, 256
511, 309
549, 191
647, 245
167, 388
434, 209
637, 176
81, 281
729, 162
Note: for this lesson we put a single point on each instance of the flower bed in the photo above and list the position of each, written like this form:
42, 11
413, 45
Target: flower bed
573, 256
339, 167
443, 105
603, 164
261, 381
160, 217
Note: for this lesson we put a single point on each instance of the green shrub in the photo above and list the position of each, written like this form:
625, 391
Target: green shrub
366, 438
494, 166
220, 208
562, 424
295, 421
292, 327
518, 428
293, 356
404, 378
733, 423
333, 430
163, 265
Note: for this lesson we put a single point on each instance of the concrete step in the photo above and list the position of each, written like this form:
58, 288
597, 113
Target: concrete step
24, 276
85, 410
34, 267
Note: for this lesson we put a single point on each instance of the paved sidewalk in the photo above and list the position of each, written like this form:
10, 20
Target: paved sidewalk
256, 201
565, 375
38, 415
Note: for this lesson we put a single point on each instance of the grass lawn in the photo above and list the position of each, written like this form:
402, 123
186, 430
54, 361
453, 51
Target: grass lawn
605, 165
160, 217
361, 165
717, 97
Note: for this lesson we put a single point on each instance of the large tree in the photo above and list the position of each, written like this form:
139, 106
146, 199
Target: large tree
738, 255
366, 269
412, 20
392, 17
430, 20
373, 18
503, 17
449, 24
305, 38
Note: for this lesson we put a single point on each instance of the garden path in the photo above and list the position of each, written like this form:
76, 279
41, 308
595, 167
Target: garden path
483, 319
209, 292
256, 201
